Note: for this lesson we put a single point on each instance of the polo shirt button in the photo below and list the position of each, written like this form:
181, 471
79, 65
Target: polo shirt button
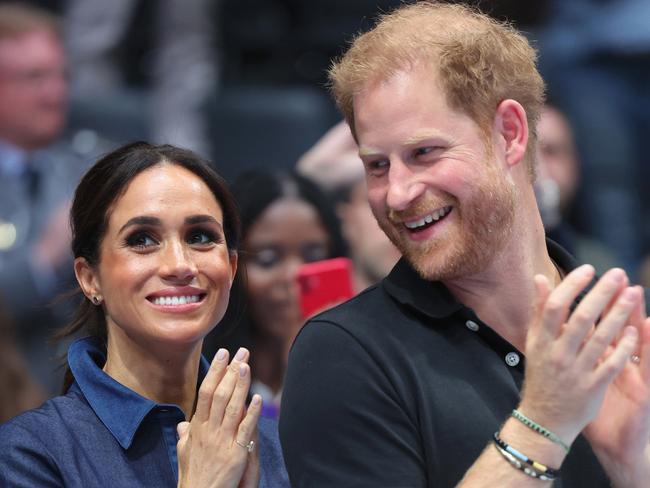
512, 359
471, 325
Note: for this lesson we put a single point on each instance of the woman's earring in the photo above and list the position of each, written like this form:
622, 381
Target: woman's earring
96, 300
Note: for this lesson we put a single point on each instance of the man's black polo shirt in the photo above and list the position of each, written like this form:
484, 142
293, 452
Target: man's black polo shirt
403, 386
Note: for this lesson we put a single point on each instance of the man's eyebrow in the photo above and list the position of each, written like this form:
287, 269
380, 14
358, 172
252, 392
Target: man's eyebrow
368, 151
422, 136
141, 220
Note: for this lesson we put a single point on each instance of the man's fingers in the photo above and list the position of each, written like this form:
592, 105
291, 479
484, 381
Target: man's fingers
619, 358
560, 299
209, 385
644, 351
609, 328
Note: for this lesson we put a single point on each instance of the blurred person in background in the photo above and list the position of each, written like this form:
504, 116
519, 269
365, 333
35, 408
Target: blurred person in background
334, 163
595, 59
38, 172
558, 178
159, 55
286, 221
18, 390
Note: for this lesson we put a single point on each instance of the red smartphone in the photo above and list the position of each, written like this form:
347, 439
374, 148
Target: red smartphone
324, 283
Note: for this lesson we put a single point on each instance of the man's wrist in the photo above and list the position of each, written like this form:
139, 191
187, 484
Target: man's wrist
532, 443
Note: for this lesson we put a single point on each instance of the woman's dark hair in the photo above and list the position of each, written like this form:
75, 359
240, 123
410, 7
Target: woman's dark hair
254, 192
104, 183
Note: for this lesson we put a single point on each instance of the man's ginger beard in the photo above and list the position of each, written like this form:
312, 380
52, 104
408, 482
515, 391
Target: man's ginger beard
483, 224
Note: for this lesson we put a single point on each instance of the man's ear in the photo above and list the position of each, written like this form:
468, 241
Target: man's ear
87, 279
511, 125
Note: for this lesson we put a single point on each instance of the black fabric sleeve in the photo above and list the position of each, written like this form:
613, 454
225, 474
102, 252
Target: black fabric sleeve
343, 422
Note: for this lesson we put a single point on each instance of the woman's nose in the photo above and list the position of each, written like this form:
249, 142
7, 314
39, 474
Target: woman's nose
178, 263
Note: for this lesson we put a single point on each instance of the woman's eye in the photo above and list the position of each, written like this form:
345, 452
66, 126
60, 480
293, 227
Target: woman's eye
314, 252
201, 237
266, 258
140, 240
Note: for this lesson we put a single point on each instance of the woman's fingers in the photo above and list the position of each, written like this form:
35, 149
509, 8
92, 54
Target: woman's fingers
209, 385
593, 305
235, 409
224, 391
247, 430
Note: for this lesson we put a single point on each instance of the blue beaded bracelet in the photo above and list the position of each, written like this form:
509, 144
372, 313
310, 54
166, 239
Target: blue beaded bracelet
522, 462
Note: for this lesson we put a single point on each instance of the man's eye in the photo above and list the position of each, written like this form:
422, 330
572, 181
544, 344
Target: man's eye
420, 151
377, 167
140, 240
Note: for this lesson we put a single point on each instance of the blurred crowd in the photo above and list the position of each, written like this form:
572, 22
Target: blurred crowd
243, 82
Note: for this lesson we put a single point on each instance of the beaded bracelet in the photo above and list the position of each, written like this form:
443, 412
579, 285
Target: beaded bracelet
522, 462
539, 429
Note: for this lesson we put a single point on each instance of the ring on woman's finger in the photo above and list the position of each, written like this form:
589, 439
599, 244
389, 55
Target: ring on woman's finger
635, 358
249, 446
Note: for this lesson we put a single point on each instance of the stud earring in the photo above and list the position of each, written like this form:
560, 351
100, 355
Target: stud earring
96, 300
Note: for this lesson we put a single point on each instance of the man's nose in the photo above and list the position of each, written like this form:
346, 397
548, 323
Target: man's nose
404, 186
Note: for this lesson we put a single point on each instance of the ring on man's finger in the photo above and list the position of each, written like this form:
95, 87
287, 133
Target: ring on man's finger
635, 358
249, 446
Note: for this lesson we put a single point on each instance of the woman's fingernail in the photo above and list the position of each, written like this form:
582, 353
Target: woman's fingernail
221, 354
618, 275
256, 399
241, 354
243, 369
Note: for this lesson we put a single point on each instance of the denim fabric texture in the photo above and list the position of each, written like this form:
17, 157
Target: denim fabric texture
102, 434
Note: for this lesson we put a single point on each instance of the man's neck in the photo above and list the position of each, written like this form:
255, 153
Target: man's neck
503, 295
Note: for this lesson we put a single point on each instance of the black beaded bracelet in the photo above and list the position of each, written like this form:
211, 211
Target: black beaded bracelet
522, 462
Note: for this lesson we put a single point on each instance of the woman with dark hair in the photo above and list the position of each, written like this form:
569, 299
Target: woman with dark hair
286, 221
155, 236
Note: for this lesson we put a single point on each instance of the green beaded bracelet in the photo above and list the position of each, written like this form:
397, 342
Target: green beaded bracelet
539, 429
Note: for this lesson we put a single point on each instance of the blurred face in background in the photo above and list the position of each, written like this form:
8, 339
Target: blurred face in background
33, 89
287, 234
557, 157
373, 253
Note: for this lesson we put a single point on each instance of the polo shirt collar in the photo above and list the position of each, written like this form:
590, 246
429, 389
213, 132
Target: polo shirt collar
433, 298
119, 408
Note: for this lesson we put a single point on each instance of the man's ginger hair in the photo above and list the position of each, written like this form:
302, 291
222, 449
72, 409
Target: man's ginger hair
479, 61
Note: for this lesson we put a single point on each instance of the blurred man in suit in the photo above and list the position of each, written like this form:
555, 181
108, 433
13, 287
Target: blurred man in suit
38, 171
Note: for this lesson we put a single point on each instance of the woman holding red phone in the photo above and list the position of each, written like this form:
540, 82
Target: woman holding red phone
287, 221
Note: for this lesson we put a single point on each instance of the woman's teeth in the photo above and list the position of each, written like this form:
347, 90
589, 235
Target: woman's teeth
171, 301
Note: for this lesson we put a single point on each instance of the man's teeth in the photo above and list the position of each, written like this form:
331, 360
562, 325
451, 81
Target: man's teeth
432, 217
176, 300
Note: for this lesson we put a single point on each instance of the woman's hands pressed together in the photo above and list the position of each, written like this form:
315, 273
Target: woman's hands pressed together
217, 448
